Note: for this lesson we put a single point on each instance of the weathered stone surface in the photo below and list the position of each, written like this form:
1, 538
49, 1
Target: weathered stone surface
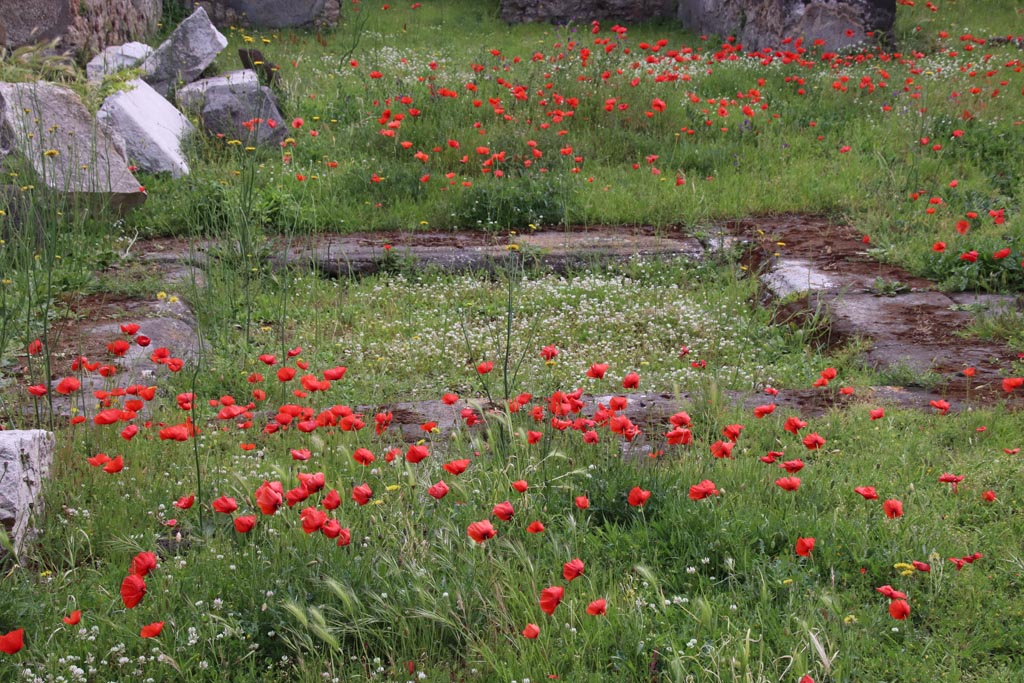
27, 23
756, 23
99, 23
83, 26
791, 276
190, 48
115, 58
564, 11
25, 459
194, 94
169, 325
36, 118
270, 13
151, 127
765, 23
225, 104
354, 255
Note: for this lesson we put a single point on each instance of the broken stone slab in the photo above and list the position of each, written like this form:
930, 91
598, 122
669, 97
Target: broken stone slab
186, 53
152, 128
235, 105
351, 255
48, 127
762, 24
273, 13
25, 460
794, 276
566, 11
167, 324
116, 58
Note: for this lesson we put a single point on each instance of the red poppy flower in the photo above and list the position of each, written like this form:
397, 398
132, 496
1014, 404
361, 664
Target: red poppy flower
185, 502
794, 425
118, 347
788, 483
703, 490
535, 527
989, 496
868, 492
35, 347
722, 449
550, 598
732, 432
438, 490
877, 414
224, 505
638, 497
344, 538
572, 569
761, 411
679, 436
503, 511
362, 494
804, 546
598, 607
481, 531
133, 589
814, 441
313, 519
114, 466
531, 631
143, 563
152, 630
332, 500
893, 508
456, 467
416, 454
485, 367
899, 609
363, 456
12, 642
631, 381
921, 566
37, 390
952, 479
98, 460
269, 497
68, 385
1011, 383
582, 502
792, 466
597, 370
244, 525
450, 399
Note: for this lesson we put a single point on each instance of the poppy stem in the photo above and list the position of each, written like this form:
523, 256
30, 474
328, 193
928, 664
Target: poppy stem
195, 436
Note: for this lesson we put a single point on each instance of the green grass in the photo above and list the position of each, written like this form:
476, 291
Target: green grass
891, 110
696, 590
